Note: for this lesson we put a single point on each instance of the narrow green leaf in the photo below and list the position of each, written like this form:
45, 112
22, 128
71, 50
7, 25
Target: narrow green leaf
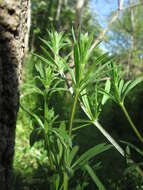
102, 91
39, 69
59, 136
60, 151
73, 34
126, 86
107, 89
31, 91
44, 59
72, 154
86, 102
133, 147
121, 85
114, 73
94, 177
85, 157
81, 126
34, 116
77, 63
57, 182
99, 60
49, 57
132, 85
47, 43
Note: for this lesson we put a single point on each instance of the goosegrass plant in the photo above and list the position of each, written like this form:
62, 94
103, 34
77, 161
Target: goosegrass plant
63, 157
133, 169
81, 76
83, 73
120, 90
130, 148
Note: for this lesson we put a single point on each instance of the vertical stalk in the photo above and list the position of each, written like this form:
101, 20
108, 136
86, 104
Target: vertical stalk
73, 112
131, 122
45, 111
104, 132
109, 137
47, 142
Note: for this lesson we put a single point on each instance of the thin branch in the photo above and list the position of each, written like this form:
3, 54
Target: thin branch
132, 6
113, 19
79, 11
58, 10
120, 4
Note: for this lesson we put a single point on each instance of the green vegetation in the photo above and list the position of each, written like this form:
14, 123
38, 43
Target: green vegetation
80, 117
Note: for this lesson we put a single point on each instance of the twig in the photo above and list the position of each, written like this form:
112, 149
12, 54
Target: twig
113, 19
132, 6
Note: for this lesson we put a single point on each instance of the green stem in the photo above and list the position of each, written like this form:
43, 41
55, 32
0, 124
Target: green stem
47, 142
45, 111
73, 112
65, 182
109, 137
115, 144
131, 123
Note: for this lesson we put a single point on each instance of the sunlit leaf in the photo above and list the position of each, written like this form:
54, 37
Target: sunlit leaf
107, 89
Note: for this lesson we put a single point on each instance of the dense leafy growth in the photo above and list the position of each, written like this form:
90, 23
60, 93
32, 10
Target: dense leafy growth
77, 105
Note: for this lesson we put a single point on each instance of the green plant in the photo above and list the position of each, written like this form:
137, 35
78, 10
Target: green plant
82, 75
133, 169
120, 90
58, 139
63, 157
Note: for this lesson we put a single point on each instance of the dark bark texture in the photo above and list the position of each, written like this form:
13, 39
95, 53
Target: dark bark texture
13, 41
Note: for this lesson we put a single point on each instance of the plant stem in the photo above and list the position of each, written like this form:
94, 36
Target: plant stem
45, 111
116, 145
65, 181
131, 122
47, 141
111, 140
109, 137
73, 111
104, 132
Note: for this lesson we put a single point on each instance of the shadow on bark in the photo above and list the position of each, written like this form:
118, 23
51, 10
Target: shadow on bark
9, 95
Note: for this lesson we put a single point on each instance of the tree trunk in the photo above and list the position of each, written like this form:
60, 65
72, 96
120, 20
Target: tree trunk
132, 39
14, 27
79, 10
58, 12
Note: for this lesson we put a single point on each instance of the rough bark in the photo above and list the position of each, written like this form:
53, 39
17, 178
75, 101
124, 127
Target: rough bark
13, 42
